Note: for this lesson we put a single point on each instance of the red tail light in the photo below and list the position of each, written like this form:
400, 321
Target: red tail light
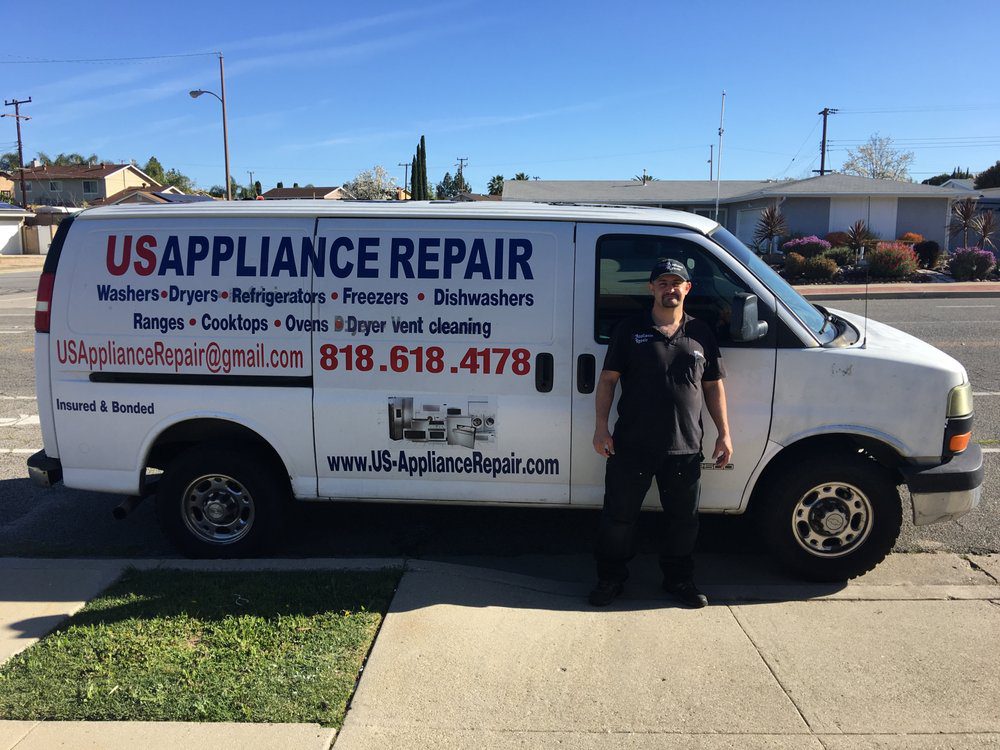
43, 303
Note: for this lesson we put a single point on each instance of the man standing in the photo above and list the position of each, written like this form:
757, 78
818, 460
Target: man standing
669, 365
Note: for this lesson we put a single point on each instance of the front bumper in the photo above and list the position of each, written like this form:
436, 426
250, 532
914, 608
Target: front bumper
44, 471
946, 491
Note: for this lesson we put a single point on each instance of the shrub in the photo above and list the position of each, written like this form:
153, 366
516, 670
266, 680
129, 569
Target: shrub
841, 255
929, 253
892, 260
807, 247
794, 265
971, 263
838, 238
820, 267
911, 238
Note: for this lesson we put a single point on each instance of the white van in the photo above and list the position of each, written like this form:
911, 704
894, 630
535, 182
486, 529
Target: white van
424, 352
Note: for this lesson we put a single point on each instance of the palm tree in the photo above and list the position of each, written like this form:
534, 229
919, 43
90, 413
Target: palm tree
521, 176
770, 226
985, 226
495, 185
963, 218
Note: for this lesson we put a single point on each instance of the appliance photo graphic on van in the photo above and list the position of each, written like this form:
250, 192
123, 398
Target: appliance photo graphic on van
466, 421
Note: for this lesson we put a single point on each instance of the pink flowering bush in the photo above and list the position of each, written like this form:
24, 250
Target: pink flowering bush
807, 247
971, 263
892, 260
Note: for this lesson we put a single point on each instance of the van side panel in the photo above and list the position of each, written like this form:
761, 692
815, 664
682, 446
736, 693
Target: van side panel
160, 320
432, 382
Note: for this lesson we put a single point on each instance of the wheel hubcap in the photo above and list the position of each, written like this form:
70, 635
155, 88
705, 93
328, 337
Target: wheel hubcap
218, 509
832, 520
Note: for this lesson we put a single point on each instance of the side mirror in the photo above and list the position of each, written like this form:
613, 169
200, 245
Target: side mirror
745, 324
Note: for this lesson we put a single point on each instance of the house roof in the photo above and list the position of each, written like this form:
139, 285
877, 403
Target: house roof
963, 184
306, 192
82, 172
150, 196
7, 211
626, 191
840, 185
684, 192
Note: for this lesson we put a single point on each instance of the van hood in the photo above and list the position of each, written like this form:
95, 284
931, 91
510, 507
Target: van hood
882, 341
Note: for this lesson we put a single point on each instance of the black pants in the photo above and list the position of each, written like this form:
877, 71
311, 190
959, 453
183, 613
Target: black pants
627, 480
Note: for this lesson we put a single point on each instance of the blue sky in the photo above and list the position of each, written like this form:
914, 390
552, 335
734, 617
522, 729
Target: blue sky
561, 90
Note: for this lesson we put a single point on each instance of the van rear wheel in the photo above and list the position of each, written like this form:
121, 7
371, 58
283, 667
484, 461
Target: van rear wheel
216, 501
834, 518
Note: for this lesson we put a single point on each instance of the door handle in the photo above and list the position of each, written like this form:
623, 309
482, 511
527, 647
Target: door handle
543, 372
586, 368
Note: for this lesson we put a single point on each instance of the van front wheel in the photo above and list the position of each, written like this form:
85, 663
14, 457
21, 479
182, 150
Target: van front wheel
219, 502
833, 519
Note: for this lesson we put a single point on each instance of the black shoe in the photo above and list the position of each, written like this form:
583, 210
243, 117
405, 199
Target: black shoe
687, 594
604, 593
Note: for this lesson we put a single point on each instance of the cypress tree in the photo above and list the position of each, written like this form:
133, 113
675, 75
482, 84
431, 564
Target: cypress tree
413, 182
423, 169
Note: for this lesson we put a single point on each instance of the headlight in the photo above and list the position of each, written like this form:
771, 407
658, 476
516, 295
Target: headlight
960, 400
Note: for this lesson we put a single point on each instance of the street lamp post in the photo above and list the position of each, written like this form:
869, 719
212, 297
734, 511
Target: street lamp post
225, 128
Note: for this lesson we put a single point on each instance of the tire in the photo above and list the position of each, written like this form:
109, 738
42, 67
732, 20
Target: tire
832, 519
221, 501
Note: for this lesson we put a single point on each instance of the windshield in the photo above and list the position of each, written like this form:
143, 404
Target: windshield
811, 317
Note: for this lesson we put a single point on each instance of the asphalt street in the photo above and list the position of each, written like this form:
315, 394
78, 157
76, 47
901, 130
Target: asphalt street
62, 522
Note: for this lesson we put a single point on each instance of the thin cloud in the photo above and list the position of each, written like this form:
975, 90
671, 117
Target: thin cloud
446, 126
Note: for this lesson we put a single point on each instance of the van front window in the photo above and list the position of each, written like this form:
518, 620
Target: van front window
811, 317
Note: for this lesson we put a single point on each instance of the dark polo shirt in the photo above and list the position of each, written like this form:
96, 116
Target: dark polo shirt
659, 411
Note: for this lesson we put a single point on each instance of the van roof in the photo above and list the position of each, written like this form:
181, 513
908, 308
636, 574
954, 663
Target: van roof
410, 209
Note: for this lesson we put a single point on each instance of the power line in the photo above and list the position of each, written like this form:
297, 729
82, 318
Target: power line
924, 108
799, 150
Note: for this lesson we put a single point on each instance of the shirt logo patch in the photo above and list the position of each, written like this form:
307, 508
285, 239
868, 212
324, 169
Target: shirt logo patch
642, 338
698, 354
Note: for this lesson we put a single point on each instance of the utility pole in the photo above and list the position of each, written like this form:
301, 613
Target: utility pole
711, 156
406, 176
461, 163
826, 112
20, 147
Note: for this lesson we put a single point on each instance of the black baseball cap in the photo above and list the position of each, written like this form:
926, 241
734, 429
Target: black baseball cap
665, 266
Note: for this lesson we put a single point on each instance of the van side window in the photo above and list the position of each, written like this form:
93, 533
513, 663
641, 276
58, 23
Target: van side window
623, 264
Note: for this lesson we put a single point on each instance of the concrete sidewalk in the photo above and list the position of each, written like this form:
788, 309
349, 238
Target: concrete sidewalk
472, 656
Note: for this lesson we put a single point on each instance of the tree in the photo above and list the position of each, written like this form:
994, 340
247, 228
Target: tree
989, 178
879, 160
280, 185
461, 184
495, 185
155, 170
9, 161
985, 226
963, 219
373, 185
770, 226
446, 188
956, 174
520, 177
173, 178
257, 189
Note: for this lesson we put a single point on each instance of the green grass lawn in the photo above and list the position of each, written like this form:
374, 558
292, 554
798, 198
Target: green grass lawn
189, 646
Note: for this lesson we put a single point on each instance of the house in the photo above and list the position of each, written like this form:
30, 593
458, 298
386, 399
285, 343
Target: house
80, 184
11, 221
307, 193
817, 205
139, 195
6, 187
